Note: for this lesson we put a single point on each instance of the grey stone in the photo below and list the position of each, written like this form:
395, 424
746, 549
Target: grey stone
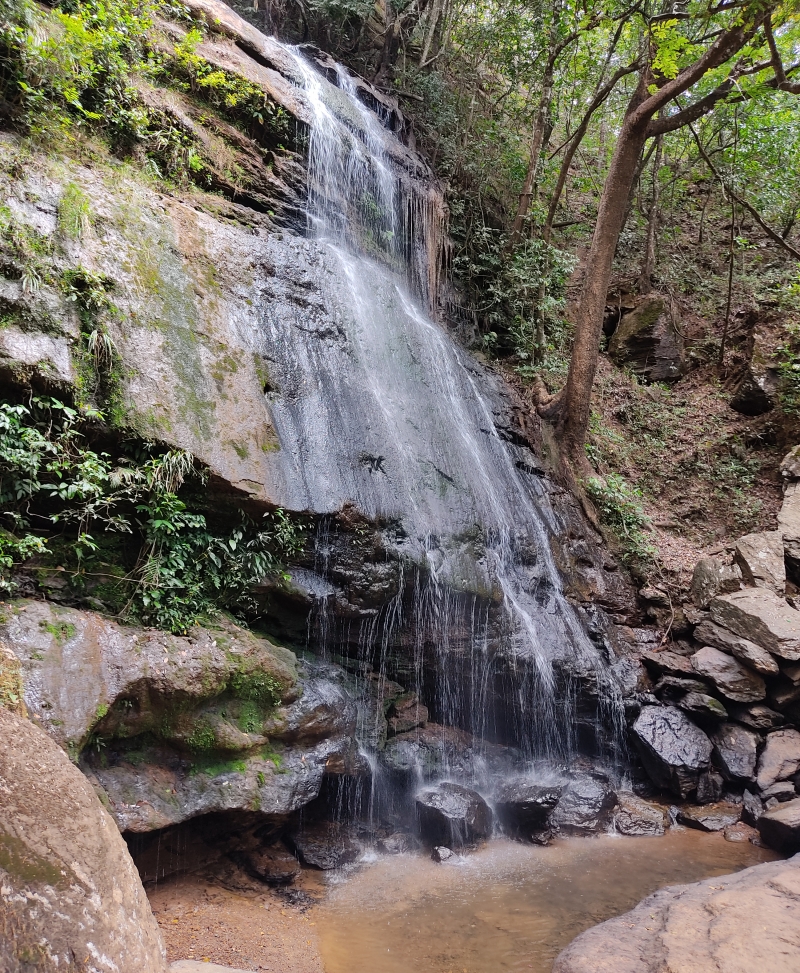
782, 790
453, 815
727, 924
710, 817
711, 578
709, 788
668, 663
324, 845
399, 843
752, 807
706, 708
196, 966
760, 559
674, 751
273, 865
780, 827
647, 341
407, 713
790, 464
758, 716
741, 832
68, 886
441, 854
584, 806
783, 693
780, 758
760, 616
674, 687
735, 751
756, 392
707, 633
634, 816
731, 678
789, 522
522, 806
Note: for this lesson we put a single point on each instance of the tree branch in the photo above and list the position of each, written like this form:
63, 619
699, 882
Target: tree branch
772, 234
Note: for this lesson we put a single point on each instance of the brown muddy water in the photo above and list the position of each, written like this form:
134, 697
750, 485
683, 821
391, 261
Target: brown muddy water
507, 907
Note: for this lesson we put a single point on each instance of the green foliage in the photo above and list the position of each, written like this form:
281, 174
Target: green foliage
180, 566
74, 211
202, 737
251, 717
620, 509
256, 687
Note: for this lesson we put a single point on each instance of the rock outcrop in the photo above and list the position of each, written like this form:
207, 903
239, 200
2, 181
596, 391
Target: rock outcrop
453, 816
674, 750
647, 341
70, 896
730, 924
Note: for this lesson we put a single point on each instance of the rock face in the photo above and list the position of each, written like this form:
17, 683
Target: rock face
762, 617
633, 816
735, 752
522, 806
711, 578
710, 817
789, 522
673, 749
584, 806
646, 340
68, 887
780, 758
707, 633
730, 924
325, 845
780, 827
453, 816
730, 677
760, 559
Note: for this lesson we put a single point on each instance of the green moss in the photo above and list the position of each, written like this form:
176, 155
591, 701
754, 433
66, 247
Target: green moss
258, 687
240, 448
11, 686
202, 737
251, 717
101, 711
61, 631
216, 768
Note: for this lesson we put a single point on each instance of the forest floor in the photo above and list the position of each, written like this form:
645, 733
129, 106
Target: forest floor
245, 930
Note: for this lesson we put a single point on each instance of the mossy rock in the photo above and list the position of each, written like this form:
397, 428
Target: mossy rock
647, 341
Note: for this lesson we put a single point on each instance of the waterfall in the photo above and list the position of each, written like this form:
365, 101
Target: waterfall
380, 409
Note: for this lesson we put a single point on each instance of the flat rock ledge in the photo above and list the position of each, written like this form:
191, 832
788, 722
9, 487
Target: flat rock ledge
730, 924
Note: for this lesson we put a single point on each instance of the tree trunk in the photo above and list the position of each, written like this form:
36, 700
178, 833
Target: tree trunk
529, 187
649, 262
572, 407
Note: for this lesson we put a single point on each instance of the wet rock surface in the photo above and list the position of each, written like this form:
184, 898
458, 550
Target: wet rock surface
584, 806
762, 617
780, 827
636, 817
734, 680
710, 817
523, 807
733, 923
453, 816
735, 751
325, 845
68, 887
674, 750
780, 758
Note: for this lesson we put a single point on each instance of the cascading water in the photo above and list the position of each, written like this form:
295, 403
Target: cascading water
381, 410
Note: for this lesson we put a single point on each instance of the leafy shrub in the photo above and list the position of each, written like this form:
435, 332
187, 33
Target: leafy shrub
179, 567
620, 509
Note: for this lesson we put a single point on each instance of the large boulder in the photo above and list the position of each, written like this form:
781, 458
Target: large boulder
727, 924
453, 815
780, 758
711, 578
759, 716
522, 806
710, 817
789, 523
674, 751
756, 392
760, 559
325, 845
707, 633
734, 680
735, 751
762, 617
648, 342
636, 817
70, 895
584, 806
780, 829
85, 674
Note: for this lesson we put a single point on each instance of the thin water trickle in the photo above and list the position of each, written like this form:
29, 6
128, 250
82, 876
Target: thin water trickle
382, 410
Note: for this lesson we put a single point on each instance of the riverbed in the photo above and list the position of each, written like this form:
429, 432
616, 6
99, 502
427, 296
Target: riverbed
506, 907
